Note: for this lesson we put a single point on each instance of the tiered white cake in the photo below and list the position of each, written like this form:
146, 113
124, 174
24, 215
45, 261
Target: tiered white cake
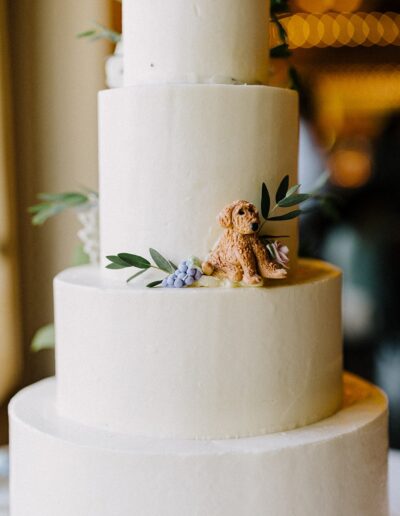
196, 401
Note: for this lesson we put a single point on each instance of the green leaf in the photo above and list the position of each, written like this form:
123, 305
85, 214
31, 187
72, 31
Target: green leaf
282, 189
281, 29
280, 52
292, 190
119, 261
134, 260
292, 200
115, 266
161, 262
174, 267
294, 79
265, 201
136, 275
65, 197
100, 32
53, 204
287, 216
279, 6
154, 284
44, 338
86, 34
45, 212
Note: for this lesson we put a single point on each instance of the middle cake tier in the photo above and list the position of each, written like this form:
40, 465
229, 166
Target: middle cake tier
199, 362
173, 155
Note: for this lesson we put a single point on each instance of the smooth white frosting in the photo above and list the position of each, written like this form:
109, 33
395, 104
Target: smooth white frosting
172, 156
173, 40
335, 467
199, 362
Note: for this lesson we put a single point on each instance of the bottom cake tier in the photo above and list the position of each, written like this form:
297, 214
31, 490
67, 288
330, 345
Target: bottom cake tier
335, 467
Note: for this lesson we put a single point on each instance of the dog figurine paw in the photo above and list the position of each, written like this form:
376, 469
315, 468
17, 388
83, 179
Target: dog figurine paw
239, 254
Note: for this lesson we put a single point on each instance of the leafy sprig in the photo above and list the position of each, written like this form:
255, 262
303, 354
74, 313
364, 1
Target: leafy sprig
53, 204
279, 10
101, 32
127, 260
286, 197
44, 338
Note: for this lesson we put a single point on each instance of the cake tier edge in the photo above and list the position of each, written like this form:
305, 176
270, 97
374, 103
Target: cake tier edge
336, 466
199, 362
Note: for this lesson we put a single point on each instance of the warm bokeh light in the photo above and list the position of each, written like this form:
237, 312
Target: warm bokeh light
316, 28
322, 6
350, 168
315, 6
346, 6
298, 30
343, 29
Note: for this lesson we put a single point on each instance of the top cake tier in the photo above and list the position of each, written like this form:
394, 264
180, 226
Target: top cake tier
199, 41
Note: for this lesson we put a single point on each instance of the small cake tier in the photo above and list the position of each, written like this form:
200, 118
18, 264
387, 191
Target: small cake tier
202, 41
173, 156
335, 467
198, 362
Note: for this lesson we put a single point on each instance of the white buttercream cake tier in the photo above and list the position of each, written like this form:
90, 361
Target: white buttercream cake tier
172, 156
186, 41
335, 467
198, 362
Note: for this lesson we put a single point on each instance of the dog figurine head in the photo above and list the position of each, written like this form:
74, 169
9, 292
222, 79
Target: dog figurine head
241, 216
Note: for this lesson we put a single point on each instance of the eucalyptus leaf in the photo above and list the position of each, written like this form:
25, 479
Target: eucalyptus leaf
292, 190
161, 262
86, 34
119, 261
100, 32
64, 197
53, 204
136, 275
46, 212
174, 267
279, 6
293, 200
265, 201
115, 266
134, 260
280, 51
44, 338
287, 216
281, 29
282, 189
154, 284
294, 79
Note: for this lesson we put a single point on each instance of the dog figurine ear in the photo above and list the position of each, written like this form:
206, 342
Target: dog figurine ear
225, 217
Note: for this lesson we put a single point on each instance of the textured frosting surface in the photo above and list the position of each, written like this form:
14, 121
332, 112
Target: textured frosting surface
195, 41
173, 156
200, 362
335, 467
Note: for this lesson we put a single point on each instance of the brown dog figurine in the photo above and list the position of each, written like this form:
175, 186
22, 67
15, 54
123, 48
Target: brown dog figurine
239, 254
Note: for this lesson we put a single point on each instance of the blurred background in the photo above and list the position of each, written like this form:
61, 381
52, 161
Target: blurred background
346, 55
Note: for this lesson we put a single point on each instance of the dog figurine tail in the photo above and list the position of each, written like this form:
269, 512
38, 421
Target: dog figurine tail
208, 268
